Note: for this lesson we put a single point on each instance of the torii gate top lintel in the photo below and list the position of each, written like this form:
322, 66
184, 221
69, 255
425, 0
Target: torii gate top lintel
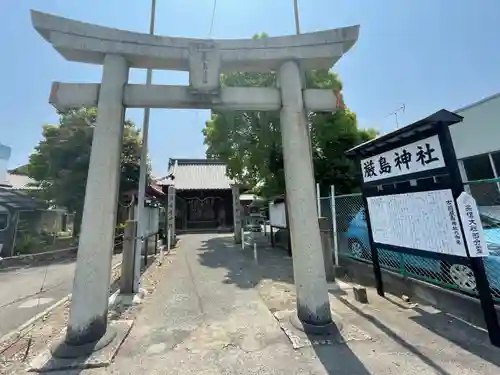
88, 43
118, 51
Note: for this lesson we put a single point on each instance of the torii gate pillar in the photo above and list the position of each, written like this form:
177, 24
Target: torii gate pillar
205, 60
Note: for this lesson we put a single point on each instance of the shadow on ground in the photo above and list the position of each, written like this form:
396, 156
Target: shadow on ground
339, 359
468, 337
273, 263
396, 338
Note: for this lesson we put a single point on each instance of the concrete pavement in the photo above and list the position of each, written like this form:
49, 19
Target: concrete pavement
216, 312
20, 297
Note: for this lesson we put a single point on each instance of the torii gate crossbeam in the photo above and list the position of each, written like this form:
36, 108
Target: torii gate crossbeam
118, 51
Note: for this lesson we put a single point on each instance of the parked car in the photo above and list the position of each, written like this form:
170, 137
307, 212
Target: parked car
461, 275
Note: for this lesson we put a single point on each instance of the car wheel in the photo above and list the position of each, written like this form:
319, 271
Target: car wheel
357, 249
463, 277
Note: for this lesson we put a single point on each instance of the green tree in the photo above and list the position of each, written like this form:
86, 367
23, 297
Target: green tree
60, 162
250, 141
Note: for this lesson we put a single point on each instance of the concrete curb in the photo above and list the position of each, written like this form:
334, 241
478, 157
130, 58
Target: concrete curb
41, 314
33, 259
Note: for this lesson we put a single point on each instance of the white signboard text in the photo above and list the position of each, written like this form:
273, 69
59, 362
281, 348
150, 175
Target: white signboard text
424, 221
415, 157
471, 222
277, 216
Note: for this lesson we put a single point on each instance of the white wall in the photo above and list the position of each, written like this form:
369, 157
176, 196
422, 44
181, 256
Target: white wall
479, 132
4, 159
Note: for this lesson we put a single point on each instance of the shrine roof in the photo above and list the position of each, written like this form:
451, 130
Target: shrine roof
197, 174
440, 117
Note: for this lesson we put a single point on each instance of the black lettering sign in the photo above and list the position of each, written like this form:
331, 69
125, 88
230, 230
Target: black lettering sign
402, 159
454, 223
369, 168
385, 167
425, 156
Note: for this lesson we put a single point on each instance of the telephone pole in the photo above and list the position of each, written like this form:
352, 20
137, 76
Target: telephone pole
143, 172
296, 13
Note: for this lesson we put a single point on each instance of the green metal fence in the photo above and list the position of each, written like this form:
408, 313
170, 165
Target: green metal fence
353, 242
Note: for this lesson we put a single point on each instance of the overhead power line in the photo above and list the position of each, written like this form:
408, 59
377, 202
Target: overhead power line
213, 17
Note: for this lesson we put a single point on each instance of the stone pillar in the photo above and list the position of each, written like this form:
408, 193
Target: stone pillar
171, 215
236, 213
313, 306
326, 244
127, 275
89, 302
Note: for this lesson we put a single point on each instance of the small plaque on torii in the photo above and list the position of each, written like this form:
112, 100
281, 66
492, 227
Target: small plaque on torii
204, 69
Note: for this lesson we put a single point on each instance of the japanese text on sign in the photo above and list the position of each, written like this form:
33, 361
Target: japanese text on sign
425, 220
415, 157
471, 222
454, 222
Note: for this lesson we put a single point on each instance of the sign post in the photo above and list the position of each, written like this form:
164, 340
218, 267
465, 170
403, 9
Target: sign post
415, 203
170, 217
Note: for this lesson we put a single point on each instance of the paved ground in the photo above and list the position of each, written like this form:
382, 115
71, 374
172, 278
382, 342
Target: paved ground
20, 297
216, 312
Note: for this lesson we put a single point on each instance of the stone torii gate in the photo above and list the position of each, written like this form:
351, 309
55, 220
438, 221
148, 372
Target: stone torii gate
205, 60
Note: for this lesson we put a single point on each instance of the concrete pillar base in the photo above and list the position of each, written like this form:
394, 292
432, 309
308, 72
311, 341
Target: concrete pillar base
65, 350
82, 356
329, 329
127, 299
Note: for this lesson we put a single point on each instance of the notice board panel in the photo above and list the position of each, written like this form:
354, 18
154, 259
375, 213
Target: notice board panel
425, 220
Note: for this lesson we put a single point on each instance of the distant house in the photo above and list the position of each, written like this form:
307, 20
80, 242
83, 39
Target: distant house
204, 200
16, 206
19, 182
28, 224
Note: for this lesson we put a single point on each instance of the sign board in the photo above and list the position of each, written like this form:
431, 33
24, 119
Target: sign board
150, 219
277, 215
236, 208
171, 208
473, 228
425, 220
415, 157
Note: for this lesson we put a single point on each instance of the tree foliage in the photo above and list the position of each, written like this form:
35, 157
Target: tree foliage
60, 162
250, 141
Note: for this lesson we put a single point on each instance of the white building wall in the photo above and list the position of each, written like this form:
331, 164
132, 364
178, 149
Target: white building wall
4, 159
479, 132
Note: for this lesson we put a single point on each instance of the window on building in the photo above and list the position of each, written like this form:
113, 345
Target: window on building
486, 193
4, 220
496, 161
478, 168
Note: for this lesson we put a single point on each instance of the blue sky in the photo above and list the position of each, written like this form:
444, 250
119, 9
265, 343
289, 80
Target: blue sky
425, 54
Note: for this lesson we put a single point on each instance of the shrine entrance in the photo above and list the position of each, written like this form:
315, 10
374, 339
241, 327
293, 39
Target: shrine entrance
118, 51
202, 211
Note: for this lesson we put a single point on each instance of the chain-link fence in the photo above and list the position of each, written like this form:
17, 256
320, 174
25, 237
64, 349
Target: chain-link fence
353, 242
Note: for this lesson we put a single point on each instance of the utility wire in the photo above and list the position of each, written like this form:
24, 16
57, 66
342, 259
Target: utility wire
213, 17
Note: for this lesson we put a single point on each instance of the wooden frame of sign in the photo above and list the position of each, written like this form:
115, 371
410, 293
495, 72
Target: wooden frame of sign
411, 185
